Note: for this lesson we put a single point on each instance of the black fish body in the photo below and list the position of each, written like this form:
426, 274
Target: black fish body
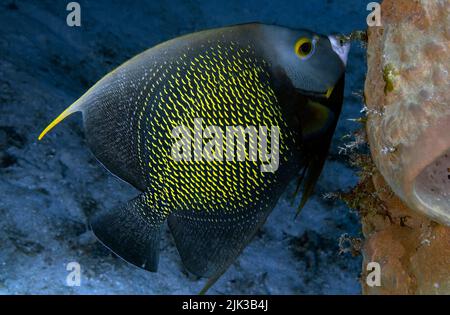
214, 193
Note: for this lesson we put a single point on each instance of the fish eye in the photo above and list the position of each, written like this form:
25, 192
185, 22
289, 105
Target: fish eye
305, 47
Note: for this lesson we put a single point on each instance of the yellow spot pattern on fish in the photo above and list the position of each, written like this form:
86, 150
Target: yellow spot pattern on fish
225, 86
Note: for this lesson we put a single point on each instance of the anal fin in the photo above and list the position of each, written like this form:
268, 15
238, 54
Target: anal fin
209, 245
132, 232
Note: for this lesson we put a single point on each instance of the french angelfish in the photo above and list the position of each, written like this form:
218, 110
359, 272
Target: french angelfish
244, 75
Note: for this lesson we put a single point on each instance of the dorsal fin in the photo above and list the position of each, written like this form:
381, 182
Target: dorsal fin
68, 111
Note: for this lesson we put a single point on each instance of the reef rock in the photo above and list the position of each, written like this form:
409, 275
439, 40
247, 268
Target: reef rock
408, 99
408, 126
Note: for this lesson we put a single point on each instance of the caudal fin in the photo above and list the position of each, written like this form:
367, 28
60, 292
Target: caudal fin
69, 110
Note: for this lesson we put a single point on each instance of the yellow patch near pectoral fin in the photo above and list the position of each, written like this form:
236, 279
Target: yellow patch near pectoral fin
316, 118
69, 110
329, 92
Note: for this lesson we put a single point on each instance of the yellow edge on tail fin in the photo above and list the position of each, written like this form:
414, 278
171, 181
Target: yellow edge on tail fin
69, 110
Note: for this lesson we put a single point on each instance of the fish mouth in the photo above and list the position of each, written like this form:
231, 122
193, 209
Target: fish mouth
340, 47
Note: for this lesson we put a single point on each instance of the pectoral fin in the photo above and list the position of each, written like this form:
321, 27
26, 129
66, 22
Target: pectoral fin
318, 132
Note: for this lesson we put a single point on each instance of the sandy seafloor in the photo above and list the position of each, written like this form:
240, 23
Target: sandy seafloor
49, 189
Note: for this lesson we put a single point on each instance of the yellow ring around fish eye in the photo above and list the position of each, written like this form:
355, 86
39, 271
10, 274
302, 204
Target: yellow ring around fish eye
304, 48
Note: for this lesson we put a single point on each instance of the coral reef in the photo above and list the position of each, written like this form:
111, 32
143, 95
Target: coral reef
411, 249
407, 84
403, 198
